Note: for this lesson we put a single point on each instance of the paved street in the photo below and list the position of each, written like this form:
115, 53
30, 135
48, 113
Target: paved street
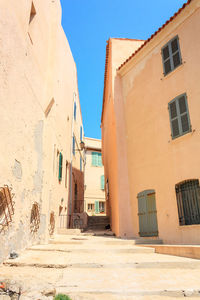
91, 267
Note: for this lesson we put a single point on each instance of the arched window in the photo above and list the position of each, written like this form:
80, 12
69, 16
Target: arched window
188, 202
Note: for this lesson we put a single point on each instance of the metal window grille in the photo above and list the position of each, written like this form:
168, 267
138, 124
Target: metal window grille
6, 207
188, 202
35, 218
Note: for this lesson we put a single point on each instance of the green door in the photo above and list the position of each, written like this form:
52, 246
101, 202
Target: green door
147, 213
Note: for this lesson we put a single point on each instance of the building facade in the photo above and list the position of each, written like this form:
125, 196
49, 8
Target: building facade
151, 105
38, 92
94, 197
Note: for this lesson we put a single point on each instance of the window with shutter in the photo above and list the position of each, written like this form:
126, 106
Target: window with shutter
74, 110
96, 159
102, 182
81, 133
60, 167
179, 116
73, 150
99, 160
171, 55
97, 207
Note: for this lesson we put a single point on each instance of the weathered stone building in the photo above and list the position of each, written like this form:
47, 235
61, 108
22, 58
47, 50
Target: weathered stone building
38, 92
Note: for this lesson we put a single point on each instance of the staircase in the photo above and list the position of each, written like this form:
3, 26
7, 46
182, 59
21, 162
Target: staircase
97, 222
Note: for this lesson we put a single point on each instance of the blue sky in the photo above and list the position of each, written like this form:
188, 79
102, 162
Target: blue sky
88, 24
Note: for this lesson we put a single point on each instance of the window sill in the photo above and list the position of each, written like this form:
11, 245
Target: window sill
180, 137
189, 226
168, 75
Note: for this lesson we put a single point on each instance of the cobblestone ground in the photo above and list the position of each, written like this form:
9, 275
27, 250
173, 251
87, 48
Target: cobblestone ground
91, 267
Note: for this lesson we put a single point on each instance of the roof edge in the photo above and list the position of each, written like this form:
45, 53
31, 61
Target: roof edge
155, 33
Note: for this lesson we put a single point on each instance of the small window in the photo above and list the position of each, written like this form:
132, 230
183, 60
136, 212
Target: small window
81, 133
74, 110
96, 159
73, 146
90, 207
171, 55
179, 116
66, 170
60, 167
188, 202
101, 207
32, 13
102, 182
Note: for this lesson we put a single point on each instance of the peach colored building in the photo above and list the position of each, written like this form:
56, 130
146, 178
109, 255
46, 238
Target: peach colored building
150, 131
38, 92
94, 197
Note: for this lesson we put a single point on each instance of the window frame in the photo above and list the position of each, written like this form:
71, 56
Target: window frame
171, 55
182, 189
96, 159
74, 110
60, 167
181, 133
102, 179
73, 145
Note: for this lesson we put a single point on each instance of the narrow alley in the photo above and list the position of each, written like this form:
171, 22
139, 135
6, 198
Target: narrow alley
100, 267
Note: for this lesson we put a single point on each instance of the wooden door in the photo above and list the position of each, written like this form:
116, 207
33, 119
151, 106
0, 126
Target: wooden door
147, 213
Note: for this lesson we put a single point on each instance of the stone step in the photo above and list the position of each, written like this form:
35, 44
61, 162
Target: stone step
190, 251
67, 231
100, 250
98, 220
146, 241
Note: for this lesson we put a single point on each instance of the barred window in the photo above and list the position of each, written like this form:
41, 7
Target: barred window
188, 202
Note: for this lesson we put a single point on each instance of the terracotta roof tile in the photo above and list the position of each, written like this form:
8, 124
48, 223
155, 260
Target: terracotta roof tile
155, 33
143, 45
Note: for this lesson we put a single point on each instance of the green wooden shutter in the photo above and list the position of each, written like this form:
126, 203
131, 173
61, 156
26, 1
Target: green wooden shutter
94, 159
179, 116
97, 207
173, 113
73, 145
60, 167
81, 133
99, 159
166, 59
74, 110
184, 114
102, 182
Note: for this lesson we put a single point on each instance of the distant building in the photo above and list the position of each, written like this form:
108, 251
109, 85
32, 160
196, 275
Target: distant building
94, 179
150, 131
41, 124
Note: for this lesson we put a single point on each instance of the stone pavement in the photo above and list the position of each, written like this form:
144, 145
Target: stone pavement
93, 267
